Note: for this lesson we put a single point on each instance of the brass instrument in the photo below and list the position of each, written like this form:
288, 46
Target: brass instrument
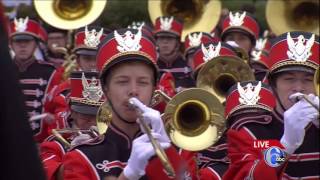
222, 73
197, 15
316, 81
194, 119
66, 14
136, 104
69, 15
103, 118
293, 15
59, 132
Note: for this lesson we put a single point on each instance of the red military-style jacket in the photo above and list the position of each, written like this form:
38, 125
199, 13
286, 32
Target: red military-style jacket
108, 155
56, 103
51, 153
248, 162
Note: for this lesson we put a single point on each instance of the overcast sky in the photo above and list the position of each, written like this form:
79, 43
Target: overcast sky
16, 2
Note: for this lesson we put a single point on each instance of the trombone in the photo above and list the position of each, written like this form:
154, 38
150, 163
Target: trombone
136, 104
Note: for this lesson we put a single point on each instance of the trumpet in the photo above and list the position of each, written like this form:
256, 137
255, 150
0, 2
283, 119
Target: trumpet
136, 104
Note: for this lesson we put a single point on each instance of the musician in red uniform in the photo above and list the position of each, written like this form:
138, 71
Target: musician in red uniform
167, 33
85, 99
37, 78
86, 41
293, 59
127, 64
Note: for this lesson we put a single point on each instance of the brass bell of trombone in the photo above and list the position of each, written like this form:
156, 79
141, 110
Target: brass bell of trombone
222, 72
103, 117
293, 15
194, 119
197, 15
68, 14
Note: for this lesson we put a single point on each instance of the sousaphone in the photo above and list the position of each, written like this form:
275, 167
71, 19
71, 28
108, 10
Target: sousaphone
197, 15
293, 15
222, 72
69, 14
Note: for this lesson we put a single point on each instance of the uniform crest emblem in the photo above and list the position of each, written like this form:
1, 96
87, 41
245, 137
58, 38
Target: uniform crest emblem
194, 39
130, 42
21, 24
236, 19
211, 52
256, 54
166, 23
260, 44
92, 38
249, 95
91, 91
300, 50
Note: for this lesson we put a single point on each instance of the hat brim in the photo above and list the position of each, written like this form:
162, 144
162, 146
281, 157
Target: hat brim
295, 68
18, 37
166, 34
88, 52
85, 109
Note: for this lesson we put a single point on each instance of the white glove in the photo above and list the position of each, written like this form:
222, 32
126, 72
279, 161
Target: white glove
141, 152
80, 139
296, 119
152, 118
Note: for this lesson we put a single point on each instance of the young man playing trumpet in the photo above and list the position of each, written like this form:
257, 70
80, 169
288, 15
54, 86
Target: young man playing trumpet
294, 125
126, 60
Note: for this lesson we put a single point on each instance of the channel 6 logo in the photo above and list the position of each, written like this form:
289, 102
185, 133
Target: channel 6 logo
274, 156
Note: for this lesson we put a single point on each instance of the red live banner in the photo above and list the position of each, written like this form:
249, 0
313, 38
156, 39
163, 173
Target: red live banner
266, 143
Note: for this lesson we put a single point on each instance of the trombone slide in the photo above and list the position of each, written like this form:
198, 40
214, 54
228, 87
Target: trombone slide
135, 103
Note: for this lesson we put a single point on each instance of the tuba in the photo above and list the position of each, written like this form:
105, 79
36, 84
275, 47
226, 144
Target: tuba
221, 73
197, 15
293, 15
69, 15
66, 14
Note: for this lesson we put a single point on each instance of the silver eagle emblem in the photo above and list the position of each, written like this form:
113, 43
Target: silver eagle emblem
299, 50
211, 52
91, 91
166, 23
194, 39
130, 42
249, 95
92, 38
236, 19
21, 24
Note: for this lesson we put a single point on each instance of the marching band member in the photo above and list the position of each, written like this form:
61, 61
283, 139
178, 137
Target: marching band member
293, 59
85, 98
57, 38
241, 28
37, 78
167, 33
87, 40
126, 61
